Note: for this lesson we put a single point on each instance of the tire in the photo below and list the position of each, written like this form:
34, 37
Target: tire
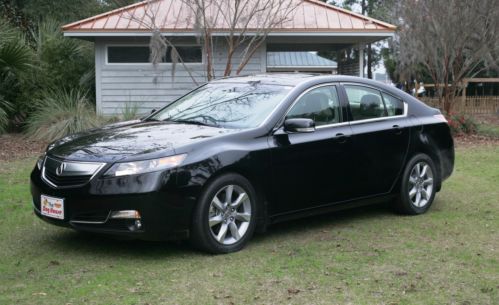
221, 226
418, 186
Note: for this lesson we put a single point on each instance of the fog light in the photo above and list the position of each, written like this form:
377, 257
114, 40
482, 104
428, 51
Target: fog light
138, 224
125, 214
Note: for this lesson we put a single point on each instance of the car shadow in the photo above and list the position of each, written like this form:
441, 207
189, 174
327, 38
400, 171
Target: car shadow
72, 242
331, 220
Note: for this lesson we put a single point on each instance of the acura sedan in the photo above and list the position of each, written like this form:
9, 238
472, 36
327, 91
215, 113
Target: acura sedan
238, 154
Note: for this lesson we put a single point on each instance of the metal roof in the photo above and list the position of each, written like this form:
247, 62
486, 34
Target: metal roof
173, 16
299, 60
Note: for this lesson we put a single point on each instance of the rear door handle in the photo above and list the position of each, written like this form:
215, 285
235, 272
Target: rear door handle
341, 137
398, 129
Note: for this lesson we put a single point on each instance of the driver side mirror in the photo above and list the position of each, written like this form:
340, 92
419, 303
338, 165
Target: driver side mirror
299, 125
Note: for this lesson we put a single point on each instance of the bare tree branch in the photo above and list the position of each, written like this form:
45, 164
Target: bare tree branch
452, 39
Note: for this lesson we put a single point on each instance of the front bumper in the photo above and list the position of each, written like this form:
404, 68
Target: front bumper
165, 210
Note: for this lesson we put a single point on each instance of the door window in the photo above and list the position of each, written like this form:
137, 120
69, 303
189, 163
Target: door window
320, 104
365, 103
394, 106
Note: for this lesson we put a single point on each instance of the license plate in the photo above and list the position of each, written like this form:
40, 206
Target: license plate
52, 207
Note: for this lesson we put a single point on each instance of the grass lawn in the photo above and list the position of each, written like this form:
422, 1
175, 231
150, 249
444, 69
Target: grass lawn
365, 256
490, 130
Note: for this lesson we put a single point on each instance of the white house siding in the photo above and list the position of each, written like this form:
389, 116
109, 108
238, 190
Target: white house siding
141, 85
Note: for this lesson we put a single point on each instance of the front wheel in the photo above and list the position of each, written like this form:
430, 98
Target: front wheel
224, 219
418, 186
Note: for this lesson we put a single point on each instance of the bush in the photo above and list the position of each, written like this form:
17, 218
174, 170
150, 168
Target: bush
4, 116
462, 123
130, 112
59, 113
15, 60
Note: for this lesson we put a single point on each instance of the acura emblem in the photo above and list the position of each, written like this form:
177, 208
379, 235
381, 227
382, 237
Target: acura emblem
60, 169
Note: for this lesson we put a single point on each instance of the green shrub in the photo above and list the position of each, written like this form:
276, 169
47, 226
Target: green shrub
462, 123
15, 60
4, 116
130, 112
59, 113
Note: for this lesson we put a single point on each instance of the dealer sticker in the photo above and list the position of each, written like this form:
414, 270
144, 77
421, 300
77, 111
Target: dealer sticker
52, 207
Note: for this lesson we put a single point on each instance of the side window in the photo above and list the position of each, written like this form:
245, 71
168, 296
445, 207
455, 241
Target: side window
320, 104
365, 103
394, 106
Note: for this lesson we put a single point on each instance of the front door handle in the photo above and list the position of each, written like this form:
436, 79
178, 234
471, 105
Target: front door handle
398, 129
340, 137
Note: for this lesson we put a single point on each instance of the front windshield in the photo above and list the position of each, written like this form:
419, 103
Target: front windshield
227, 105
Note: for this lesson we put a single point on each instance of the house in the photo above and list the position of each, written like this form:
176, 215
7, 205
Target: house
300, 62
124, 75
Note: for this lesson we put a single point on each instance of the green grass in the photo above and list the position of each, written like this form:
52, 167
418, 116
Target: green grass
364, 256
490, 130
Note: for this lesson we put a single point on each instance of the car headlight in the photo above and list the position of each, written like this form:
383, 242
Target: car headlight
140, 167
39, 162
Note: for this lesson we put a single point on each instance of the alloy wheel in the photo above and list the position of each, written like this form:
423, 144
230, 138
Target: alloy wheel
420, 184
229, 214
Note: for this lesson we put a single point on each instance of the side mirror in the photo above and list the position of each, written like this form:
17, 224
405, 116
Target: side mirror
299, 125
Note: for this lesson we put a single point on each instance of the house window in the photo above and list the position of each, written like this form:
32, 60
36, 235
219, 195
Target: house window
140, 54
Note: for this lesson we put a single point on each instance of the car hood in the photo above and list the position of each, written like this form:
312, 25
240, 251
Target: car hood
131, 139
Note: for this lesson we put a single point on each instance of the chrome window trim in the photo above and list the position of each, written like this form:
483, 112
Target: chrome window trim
384, 118
335, 84
46, 180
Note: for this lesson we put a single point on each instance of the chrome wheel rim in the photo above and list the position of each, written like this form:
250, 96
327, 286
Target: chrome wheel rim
420, 184
229, 215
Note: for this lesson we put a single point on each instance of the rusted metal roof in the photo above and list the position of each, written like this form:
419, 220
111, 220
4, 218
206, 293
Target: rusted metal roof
174, 16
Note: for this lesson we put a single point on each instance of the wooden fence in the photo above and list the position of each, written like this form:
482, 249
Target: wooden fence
471, 105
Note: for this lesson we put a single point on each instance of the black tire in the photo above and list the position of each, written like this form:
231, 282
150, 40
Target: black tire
407, 204
202, 235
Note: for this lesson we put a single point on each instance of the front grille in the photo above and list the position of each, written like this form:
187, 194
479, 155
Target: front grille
60, 173
66, 181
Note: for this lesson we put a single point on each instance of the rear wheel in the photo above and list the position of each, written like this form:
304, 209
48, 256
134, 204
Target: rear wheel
418, 186
224, 219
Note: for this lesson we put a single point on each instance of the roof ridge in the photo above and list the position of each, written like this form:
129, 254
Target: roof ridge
385, 24
121, 9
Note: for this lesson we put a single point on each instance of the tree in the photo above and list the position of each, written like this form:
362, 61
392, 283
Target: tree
246, 26
451, 39
379, 9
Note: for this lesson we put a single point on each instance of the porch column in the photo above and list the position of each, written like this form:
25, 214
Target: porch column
361, 60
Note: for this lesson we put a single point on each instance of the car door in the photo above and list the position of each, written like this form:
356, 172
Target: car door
310, 169
380, 138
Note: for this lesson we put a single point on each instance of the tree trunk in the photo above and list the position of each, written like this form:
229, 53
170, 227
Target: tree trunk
369, 62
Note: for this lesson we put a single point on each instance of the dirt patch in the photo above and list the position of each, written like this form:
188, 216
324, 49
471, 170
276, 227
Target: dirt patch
16, 146
463, 140
490, 119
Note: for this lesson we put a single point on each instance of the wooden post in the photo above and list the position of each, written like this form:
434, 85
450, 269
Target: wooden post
463, 95
361, 60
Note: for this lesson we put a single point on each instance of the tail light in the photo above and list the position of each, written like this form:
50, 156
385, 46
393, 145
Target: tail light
440, 117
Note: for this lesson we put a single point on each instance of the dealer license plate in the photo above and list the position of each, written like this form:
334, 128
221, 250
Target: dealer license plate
52, 207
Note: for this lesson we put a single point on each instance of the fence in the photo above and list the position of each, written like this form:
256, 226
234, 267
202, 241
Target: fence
471, 105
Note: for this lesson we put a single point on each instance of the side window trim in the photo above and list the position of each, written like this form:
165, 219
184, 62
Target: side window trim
344, 97
342, 121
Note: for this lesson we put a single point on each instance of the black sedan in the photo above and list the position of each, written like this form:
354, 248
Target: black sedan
238, 154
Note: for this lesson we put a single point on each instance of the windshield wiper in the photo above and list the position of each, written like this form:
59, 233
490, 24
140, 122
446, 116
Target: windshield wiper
151, 120
191, 122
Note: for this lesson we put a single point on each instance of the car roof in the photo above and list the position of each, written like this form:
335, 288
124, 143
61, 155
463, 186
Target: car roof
294, 79
305, 80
